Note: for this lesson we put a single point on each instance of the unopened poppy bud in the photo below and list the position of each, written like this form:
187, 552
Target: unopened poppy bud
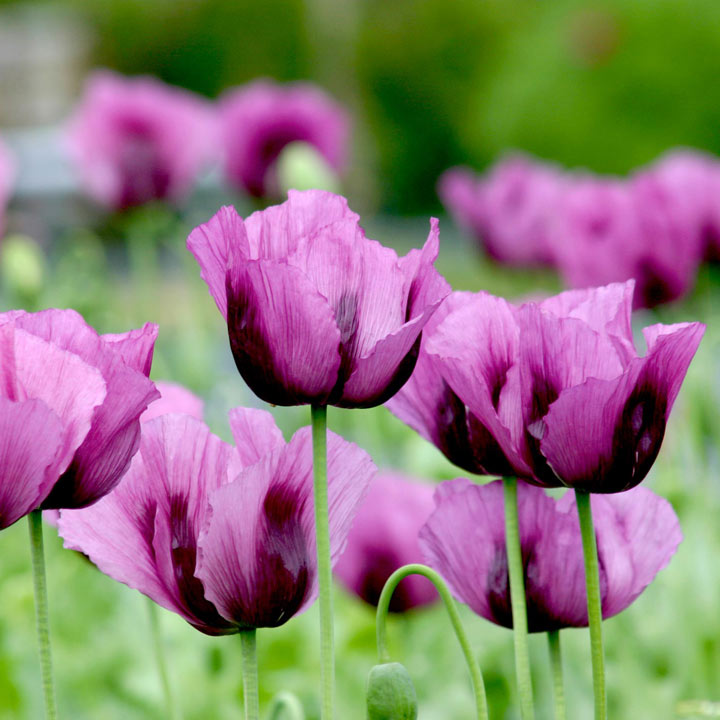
301, 167
391, 693
23, 267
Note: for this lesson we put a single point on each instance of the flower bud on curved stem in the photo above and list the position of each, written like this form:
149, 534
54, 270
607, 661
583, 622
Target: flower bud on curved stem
382, 611
391, 693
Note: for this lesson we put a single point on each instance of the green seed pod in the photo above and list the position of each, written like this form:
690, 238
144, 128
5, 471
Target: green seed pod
391, 693
301, 167
22, 267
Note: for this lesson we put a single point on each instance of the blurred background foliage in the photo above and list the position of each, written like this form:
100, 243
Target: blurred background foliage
608, 84
431, 83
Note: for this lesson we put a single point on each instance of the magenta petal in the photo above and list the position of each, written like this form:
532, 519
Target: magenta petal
274, 233
606, 309
135, 347
473, 348
638, 533
384, 537
31, 438
173, 398
604, 435
144, 533
255, 434
283, 333
262, 571
211, 245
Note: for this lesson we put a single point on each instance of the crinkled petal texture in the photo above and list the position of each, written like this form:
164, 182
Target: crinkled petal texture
464, 540
261, 572
222, 536
137, 139
144, 533
174, 398
552, 392
316, 312
122, 360
384, 537
49, 397
260, 119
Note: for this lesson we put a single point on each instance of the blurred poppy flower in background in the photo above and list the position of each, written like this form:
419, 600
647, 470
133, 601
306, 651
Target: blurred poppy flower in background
72, 401
223, 536
508, 210
137, 139
316, 312
559, 396
464, 540
384, 537
260, 119
173, 398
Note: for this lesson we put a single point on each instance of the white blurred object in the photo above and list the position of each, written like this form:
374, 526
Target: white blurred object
43, 54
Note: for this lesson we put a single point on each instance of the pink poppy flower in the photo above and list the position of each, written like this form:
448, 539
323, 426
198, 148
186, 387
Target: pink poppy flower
464, 540
260, 119
136, 139
223, 536
72, 401
384, 537
316, 312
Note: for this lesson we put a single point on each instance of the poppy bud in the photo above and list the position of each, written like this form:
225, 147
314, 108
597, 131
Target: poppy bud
391, 693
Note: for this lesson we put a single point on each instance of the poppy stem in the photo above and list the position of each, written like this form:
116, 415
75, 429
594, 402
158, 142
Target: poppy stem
322, 533
381, 630
557, 673
250, 674
592, 583
170, 709
41, 611
286, 707
517, 598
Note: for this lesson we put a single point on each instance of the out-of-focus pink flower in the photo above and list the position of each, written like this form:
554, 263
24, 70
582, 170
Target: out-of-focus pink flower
316, 312
137, 139
690, 182
224, 536
553, 392
464, 540
173, 398
610, 230
508, 210
260, 119
71, 406
384, 537
7, 176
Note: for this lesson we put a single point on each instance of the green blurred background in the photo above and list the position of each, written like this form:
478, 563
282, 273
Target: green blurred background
606, 85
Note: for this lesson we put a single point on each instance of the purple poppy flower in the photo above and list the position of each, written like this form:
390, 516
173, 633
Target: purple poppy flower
224, 536
384, 537
553, 392
260, 119
71, 404
316, 312
637, 534
606, 230
690, 185
508, 210
174, 398
137, 139
7, 175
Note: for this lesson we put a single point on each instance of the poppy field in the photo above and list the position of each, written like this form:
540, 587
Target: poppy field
279, 441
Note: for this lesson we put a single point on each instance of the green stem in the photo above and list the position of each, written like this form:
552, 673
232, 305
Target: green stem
383, 609
557, 673
170, 708
41, 611
517, 598
592, 583
250, 674
286, 707
322, 533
